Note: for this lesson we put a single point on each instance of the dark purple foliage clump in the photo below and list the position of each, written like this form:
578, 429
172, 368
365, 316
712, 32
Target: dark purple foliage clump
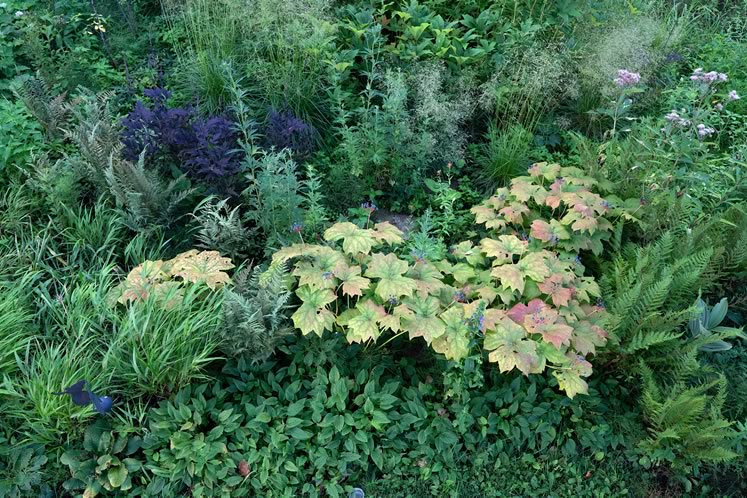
214, 152
286, 131
204, 148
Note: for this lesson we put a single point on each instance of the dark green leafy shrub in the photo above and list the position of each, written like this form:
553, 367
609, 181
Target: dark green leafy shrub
107, 462
22, 469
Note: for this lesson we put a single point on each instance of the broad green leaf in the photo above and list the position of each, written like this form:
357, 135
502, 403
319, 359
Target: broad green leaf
365, 326
510, 277
503, 248
424, 321
116, 475
353, 284
454, 342
570, 379
549, 171
386, 232
509, 347
314, 276
389, 270
427, 278
354, 239
313, 315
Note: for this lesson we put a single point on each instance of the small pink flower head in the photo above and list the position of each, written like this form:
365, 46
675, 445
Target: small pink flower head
697, 74
709, 77
719, 106
704, 131
626, 78
733, 95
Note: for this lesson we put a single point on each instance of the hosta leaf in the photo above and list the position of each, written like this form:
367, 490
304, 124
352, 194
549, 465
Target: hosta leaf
313, 315
424, 321
389, 270
353, 284
570, 379
509, 347
454, 342
553, 287
204, 266
386, 232
365, 326
354, 239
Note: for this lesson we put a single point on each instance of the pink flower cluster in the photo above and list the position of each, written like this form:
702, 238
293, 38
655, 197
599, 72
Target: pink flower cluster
626, 78
733, 95
674, 118
709, 77
704, 131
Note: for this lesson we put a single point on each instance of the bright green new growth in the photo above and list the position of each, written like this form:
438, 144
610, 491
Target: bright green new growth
522, 298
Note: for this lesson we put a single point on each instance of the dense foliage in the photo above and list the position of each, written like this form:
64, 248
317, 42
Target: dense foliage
364, 248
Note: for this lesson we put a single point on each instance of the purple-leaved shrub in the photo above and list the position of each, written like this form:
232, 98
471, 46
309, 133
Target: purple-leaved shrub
205, 148
286, 131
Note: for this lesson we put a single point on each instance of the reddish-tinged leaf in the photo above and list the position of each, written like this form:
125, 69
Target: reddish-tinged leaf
522, 189
544, 322
546, 232
546, 170
553, 287
521, 310
514, 212
587, 337
313, 315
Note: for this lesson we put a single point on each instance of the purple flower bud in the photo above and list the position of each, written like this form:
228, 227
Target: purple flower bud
369, 206
296, 227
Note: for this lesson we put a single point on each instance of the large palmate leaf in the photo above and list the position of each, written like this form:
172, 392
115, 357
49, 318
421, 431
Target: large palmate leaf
390, 271
354, 239
553, 287
353, 284
202, 266
423, 320
513, 276
547, 322
140, 281
427, 278
549, 171
313, 315
510, 348
365, 326
454, 342
570, 378
386, 232
553, 232
503, 248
